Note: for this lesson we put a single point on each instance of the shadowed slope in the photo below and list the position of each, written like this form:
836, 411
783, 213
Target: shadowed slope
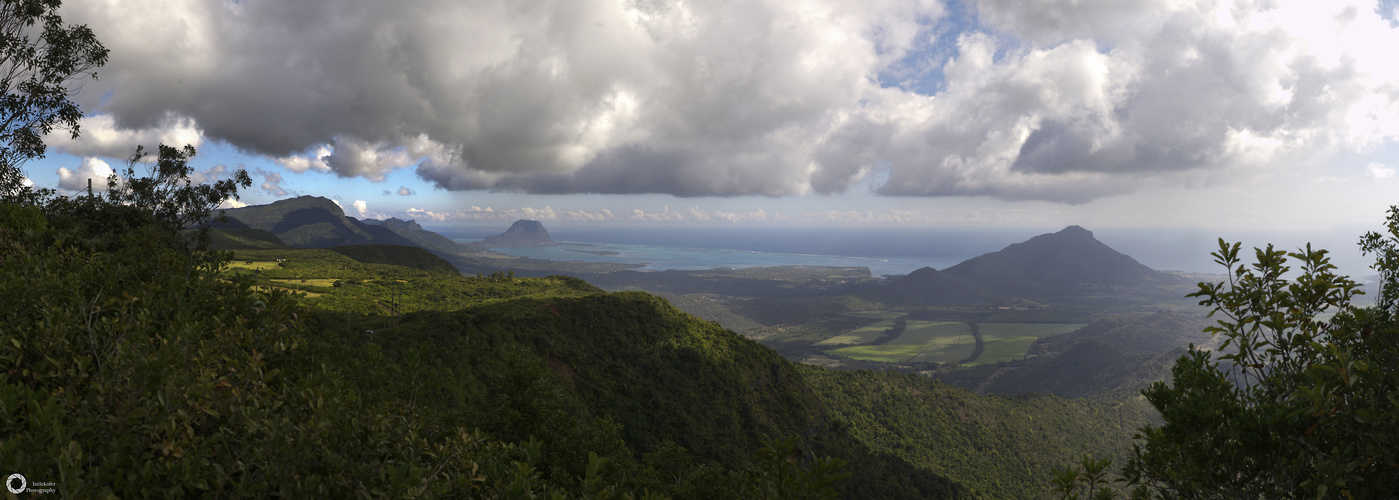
1068, 261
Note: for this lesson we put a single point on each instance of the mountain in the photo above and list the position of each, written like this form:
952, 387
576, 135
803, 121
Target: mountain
929, 287
523, 233
243, 238
1068, 261
314, 222
427, 239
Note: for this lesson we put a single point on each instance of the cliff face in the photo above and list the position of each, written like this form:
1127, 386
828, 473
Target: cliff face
523, 233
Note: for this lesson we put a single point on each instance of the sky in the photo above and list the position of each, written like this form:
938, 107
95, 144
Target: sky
1157, 113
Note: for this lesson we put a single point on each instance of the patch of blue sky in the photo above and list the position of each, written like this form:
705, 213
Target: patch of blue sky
920, 70
1389, 11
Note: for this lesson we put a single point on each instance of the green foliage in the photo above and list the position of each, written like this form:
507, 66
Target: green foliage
44, 61
397, 255
132, 374
780, 473
243, 239
1088, 479
1002, 447
167, 192
1293, 406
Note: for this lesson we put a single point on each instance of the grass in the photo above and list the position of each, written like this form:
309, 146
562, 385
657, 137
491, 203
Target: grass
876, 314
866, 334
947, 342
253, 264
933, 341
310, 295
863, 335
309, 281
1009, 341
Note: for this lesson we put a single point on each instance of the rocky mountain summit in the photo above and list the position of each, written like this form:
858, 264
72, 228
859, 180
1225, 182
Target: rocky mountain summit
523, 233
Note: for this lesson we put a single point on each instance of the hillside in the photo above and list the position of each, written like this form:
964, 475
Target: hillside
630, 365
1113, 357
661, 376
398, 255
427, 239
1069, 261
998, 445
928, 287
246, 238
314, 222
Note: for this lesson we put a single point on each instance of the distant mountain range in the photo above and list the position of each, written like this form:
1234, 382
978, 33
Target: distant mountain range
1068, 262
315, 222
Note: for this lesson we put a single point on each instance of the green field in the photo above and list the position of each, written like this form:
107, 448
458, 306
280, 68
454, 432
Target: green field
1009, 341
947, 342
253, 264
876, 314
930, 341
861, 335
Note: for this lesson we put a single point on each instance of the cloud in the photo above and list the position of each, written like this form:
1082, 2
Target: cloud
701, 215
272, 183
404, 191
232, 203
1062, 100
213, 174
315, 160
1378, 172
100, 136
362, 209
93, 169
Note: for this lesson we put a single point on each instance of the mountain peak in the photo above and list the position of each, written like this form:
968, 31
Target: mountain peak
522, 233
1075, 231
527, 226
308, 201
1052, 263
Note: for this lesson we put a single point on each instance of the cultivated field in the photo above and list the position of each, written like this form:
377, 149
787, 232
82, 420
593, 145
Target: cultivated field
310, 295
876, 314
1009, 341
923, 341
308, 281
861, 335
258, 265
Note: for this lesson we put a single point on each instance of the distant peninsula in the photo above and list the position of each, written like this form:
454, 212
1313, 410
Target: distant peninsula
523, 233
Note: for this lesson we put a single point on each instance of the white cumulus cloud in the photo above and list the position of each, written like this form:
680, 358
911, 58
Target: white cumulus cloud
76, 179
101, 135
1378, 172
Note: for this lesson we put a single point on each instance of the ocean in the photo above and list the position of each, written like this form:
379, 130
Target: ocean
890, 250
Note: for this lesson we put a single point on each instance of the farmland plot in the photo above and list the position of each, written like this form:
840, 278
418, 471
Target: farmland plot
931, 341
1009, 341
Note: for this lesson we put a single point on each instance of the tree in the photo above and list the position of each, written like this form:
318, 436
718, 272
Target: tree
42, 63
1290, 405
167, 192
